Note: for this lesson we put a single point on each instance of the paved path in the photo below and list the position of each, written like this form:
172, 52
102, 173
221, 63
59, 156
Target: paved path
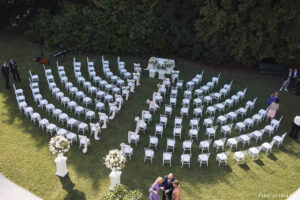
295, 195
11, 191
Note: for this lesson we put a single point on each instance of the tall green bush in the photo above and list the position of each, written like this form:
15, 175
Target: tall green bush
217, 31
121, 192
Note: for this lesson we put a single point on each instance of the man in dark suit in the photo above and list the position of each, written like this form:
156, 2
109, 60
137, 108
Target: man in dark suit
294, 78
14, 70
167, 186
287, 80
5, 73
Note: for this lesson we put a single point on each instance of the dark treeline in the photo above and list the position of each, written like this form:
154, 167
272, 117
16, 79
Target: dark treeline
216, 31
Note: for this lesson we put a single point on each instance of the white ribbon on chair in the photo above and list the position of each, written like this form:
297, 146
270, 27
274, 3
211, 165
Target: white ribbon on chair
132, 84
85, 148
97, 127
117, 96
137, 127
152, 103
129, 136
137, 78
143, 114
113, 107
174, 75
105, 119
127, 91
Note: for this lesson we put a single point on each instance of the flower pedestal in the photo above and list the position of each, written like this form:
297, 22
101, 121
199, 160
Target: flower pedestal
61, 165
115, 178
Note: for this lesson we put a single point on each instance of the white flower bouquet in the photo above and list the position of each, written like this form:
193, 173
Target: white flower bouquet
115, 160
59, 144
168, 64
153, 61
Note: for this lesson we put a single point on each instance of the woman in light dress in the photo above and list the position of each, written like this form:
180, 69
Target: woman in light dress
155, 188
273, 109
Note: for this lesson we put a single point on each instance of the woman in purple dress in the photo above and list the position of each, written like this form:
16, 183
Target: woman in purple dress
154, 190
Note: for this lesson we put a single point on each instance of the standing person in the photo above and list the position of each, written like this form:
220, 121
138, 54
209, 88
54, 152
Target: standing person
273, 97
176, 191
273, 109
294, 78
5, 73
155, 188
167, 186
14, 70
295, 128
287, 80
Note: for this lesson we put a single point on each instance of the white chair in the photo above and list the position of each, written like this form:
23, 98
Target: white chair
177, 131
240, 126
229, 103
82, 127
208, 121
239, 156
279, 139
90, 115
198, 111
187, 146
51, 128
149, 154
43, 123
83, 140
220, 107
79, 110
63, 117
87, 101
221, 119
219, 144
232, 116
168, 110
197, 102
49, 108
228, 86
71, 123
275, 123
153, 141
257, 135
242, 94
242, 111
254, 152
62, 132
167, 158
179, 84
232, 142
249, 123
72, 105
257, 118
267, 147
34, 78
72, 137
127, 150
186, 102
245, 139
64, 101
269, 129
211, 110
35, 117
222, 158
204, 145
184, 111
215, 80
193, 133
251, 104
170, 144
211, 131
194, 123
133, 137
203, 158
28, 111
198, 92
185, 159
190, 85
207, 100
217, 96
173, 101
56, 113
159, 129
178, 121
163, 120
87, 85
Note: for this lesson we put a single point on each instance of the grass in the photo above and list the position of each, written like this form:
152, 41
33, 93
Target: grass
25, 159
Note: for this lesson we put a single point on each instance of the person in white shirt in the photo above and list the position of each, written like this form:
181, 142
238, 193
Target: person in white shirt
294, 78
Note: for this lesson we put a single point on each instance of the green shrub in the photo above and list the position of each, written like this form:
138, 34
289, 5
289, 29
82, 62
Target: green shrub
122, 193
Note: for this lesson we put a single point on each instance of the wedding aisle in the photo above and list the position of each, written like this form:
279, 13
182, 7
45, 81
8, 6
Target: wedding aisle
11, 191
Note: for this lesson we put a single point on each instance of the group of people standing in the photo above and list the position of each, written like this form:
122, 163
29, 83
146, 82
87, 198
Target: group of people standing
14, 70
291, 80
170, 187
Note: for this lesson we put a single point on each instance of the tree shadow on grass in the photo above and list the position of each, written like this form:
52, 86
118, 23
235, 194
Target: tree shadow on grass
68, 185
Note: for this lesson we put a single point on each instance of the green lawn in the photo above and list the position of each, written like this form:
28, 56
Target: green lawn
25, 159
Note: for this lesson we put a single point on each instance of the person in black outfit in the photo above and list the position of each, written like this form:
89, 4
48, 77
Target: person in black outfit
14, 70
295, 128
294, 78
167, 186
5, 73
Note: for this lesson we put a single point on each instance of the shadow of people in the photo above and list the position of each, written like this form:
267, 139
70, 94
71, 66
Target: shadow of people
68, 185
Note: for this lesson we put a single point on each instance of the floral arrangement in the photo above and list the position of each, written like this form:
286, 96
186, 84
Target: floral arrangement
115, 160
168, 64
153, 61
59, 144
